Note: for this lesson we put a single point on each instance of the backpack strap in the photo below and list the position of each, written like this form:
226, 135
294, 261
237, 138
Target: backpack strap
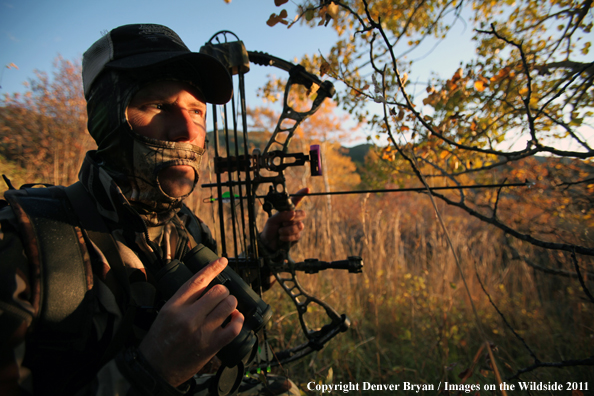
61, 275
198, 229
95, 227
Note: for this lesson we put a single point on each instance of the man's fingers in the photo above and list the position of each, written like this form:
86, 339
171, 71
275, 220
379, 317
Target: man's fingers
221, 311
194, 287
287, 218
290, 228
231, 328
301, 194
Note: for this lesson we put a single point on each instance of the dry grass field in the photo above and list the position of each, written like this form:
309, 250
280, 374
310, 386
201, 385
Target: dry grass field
410, 311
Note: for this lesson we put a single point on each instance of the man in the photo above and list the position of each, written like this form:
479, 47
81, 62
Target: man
146, 102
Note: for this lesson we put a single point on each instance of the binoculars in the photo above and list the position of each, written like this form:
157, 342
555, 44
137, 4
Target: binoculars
255, 311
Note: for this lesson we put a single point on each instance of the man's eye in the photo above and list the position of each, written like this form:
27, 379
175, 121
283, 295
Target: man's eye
158, 106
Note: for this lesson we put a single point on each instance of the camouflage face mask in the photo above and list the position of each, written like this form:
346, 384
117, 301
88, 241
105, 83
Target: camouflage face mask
150, 157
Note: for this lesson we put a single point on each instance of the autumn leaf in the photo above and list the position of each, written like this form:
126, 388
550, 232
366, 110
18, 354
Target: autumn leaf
274, 19
333, 10
451, 85
279, 3
501, 74
324, 68
458, 75
479, 86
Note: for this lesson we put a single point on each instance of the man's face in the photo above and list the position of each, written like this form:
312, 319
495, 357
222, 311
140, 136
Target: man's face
171, 111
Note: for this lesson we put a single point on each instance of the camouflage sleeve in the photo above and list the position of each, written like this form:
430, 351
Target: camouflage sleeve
16, 310
121, 375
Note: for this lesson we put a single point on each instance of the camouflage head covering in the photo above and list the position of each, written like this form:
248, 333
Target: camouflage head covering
134, 161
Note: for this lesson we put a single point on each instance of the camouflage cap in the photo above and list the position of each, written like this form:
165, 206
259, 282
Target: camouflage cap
146, 46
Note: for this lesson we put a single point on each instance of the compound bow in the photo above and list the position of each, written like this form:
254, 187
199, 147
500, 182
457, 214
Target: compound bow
245, 173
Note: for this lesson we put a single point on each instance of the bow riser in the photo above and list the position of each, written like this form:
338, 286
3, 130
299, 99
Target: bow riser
247, 172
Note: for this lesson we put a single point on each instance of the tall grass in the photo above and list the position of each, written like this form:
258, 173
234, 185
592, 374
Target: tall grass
411, 316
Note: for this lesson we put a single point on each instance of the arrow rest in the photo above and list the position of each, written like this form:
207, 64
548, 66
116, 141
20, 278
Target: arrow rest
238, 177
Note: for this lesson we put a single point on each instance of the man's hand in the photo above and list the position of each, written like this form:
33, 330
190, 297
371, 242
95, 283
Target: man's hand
187, 332
285, 226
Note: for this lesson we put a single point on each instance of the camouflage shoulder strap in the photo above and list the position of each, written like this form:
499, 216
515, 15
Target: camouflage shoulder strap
61, 275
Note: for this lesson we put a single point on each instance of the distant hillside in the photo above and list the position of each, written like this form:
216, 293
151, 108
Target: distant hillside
255, 139
258, 139
358, 153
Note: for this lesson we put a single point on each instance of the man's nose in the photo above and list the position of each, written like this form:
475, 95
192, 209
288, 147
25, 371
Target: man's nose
185, 128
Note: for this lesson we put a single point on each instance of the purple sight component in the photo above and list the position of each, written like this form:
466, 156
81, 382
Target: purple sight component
315, 160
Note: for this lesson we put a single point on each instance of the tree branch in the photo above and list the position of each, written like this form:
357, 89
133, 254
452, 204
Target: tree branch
581, 278
564, 363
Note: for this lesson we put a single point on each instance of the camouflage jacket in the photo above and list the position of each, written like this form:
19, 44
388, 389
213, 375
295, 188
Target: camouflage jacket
80, 366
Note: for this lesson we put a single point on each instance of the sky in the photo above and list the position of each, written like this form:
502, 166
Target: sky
34, 32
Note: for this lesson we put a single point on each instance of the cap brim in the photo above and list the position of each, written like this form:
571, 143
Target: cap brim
203, 71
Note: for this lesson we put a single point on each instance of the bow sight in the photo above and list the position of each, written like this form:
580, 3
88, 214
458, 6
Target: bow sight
239, 175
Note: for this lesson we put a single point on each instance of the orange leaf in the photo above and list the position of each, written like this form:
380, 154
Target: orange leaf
354, 92
324, 68
404, 128
479, 86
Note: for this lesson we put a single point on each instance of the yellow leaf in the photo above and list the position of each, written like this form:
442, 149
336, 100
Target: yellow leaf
332, 10
479, 86
443, 154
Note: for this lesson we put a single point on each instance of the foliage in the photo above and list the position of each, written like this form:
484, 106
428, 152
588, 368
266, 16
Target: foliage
520, 109
43, 131
410, 317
